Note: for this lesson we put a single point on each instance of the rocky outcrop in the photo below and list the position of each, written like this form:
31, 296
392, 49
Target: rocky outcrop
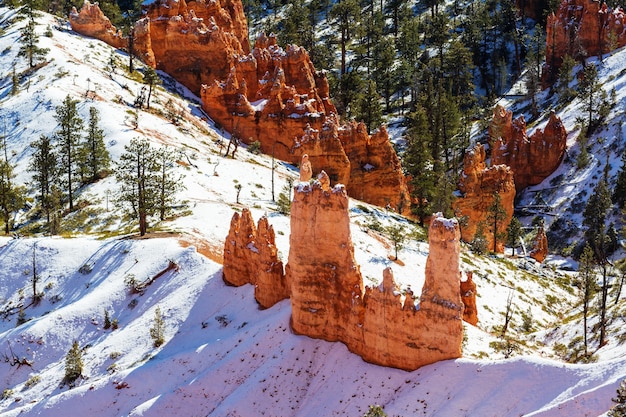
379, 324
270, 94
326, 279
306, 171
478, 186
196, 42
251, 257
468, 296
581, 28
539, 251
533, 158
375, 170
93, 23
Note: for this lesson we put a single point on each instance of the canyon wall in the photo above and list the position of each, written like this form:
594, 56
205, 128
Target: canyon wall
478, 185
581, 28
268, 94
532, 159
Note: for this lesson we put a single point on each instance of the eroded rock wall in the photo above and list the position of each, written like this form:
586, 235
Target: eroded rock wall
478, 185
581, 28
268, 94
533, 158
468, 296
251, 257
379, 324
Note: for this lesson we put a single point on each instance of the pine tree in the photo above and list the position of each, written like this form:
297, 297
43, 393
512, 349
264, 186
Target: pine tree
137, 172
594, 218
368, 109
619, 192
619, 409
345, 14
150, 78
496, 215
479, 243
157, 331
68, 139
566, 93
587, 285
592, 95
73, 364
15, 82
94, 156
43, 165
418, 163
169, 183
12, 196
29, 38
513, 234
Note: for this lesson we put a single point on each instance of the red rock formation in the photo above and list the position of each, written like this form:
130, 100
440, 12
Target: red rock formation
92, 22
531, 159
478, 184
196, 42
271, 95
251, 257
375, 170
581, 28
468, 296
327, 295
326, 283
540, 246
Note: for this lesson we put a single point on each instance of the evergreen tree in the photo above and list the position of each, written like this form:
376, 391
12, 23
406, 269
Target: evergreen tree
73, 364
169, 183
592, 95
68, 139
94, 156
594, 219
367, 107
345, 14
43, 165
513, 234
150, 78
619, 192
587, 285
29, 39
12, 196
157, 331
297, 29
619, 409
138, 175
479, 243
418, 163
15, 82
566, 93
495, 219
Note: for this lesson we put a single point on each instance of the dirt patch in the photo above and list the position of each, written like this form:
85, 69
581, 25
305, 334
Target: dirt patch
203, 247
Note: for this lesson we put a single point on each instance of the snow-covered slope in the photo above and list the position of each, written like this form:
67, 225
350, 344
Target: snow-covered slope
223, 356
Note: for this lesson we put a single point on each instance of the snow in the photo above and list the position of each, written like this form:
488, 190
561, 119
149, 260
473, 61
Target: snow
222, 354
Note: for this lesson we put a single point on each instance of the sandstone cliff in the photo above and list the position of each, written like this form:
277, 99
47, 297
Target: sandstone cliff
581, 28
533, 158
251, 257
477, 185
270, 94
379, 324
93, 23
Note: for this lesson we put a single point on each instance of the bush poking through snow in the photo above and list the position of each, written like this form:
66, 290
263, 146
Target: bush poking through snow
619, 410
375, 411
156, 331
73, 365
